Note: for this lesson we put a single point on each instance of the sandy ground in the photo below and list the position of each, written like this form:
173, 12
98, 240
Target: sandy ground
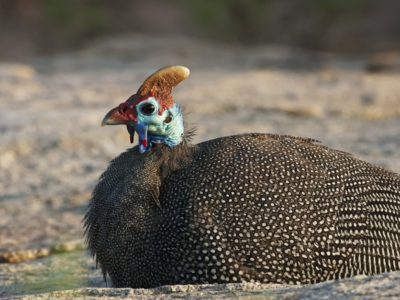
52, 148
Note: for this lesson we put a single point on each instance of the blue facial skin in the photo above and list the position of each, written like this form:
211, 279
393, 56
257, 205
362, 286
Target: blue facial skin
157, 129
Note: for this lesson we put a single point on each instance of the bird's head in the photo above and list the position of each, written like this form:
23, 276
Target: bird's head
152, 112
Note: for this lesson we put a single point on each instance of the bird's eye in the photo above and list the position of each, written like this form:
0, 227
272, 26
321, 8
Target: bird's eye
148, 109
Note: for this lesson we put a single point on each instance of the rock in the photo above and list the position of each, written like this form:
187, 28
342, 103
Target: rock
23, 255
384, 286
16, 71
384, 61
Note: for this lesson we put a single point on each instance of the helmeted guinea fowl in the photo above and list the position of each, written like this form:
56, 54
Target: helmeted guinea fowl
251, 207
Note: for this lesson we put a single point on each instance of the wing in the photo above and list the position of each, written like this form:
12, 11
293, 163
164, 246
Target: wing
377, 191
269, 208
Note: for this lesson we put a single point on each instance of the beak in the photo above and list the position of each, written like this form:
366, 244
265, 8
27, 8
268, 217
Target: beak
118, 116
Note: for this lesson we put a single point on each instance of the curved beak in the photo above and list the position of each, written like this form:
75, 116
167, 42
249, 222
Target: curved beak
123, 115
117, 116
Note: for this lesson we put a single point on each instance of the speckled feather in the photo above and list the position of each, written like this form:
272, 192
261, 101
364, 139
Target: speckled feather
253, 207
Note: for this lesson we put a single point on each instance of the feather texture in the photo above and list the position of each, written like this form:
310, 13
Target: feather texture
253, 207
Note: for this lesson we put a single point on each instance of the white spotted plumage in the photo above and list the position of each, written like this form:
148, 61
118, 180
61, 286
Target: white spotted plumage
256, 207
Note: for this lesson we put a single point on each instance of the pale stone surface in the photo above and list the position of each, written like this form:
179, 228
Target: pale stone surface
52, 148
383, 286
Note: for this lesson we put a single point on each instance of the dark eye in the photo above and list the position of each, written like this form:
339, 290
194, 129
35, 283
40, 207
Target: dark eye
148, 109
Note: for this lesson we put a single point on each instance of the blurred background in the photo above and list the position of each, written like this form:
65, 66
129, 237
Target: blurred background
48, 26
326, 69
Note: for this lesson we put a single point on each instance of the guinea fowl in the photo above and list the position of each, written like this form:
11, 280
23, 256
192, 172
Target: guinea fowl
252, 207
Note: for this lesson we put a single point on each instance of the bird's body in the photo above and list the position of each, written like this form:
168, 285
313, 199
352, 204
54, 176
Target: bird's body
254, 207
258, 207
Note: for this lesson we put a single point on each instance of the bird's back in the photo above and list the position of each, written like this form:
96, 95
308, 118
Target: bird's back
259, 207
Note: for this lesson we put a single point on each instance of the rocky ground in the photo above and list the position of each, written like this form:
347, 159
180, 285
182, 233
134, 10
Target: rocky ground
52, 148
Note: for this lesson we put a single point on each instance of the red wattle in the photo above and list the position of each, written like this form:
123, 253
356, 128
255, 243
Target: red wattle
145, 143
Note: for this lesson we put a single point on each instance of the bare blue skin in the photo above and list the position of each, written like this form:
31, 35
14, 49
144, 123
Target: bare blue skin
166, 128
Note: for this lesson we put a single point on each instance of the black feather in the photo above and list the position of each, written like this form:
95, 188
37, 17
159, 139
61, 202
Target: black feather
252, 207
